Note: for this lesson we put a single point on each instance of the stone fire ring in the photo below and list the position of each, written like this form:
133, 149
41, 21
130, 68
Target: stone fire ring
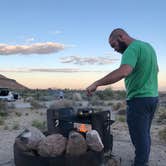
90, 158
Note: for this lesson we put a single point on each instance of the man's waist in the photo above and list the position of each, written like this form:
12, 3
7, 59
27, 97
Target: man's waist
156, 98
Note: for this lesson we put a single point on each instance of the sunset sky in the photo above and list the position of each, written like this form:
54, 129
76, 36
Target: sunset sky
64, 43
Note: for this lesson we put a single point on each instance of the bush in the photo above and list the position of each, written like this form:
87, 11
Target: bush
2, 121
3, 113
18, 114
3, 108
15, 126
117, 106
121, 118
11, 106
38, 124
161, 115
119, 95
106, 94
94, 101
36, 105
6, 127
162, 134
122, 112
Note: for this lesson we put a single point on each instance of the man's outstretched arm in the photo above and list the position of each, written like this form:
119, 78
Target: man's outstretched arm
115, 76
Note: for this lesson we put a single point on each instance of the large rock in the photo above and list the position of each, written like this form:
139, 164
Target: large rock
30, 138
76, 144
114, 162
94, 141
53, 145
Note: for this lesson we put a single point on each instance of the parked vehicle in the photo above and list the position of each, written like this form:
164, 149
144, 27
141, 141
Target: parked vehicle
7, 95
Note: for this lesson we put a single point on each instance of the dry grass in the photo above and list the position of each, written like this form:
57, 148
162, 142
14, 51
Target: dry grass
162, 134
161, 115
15, 126
2, 121
36, 105
121, 118
18, 114
39, 124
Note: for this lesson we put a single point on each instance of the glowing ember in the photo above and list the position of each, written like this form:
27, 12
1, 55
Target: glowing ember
83, 128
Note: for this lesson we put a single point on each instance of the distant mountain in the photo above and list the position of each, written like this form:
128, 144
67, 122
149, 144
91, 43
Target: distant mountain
10, 83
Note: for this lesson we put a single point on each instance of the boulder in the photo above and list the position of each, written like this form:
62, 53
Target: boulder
53, 145
30, 138
113, 160
76, 144
94, 141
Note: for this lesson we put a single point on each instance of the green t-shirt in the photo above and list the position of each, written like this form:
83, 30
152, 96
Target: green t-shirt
142, 82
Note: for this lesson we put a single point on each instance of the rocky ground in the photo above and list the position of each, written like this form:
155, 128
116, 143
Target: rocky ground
122, 146
124, 149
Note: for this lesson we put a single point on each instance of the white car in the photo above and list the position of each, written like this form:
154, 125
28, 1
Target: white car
8, 97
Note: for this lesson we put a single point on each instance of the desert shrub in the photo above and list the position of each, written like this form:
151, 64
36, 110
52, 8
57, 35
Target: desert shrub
162, 134
64, 103
26, 114
110, 104
77, 104
106, 94
119, 95
2, 121
45, 98
38, 124
36, 105
117, 106
161, 115
11, 105
15, 126
3, 113
28, 99
122, 112
121, 118
77, 97
95, 100
41, 113
18, 114
6, 127
3, 107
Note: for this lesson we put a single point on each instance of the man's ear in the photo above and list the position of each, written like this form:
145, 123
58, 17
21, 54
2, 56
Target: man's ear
121, 37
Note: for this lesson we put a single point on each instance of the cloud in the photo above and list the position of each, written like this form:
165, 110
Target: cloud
31, 39
51, 70
56, 70
88, 60
56, 32
37, 48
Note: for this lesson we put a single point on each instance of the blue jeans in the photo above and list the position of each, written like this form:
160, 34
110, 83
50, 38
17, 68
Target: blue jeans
140, 112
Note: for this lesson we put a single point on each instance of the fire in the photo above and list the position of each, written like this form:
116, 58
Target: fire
83, 128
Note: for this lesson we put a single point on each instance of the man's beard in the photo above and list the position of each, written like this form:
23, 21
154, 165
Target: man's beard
122, 46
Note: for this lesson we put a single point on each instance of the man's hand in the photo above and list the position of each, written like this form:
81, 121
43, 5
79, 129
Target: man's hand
91, 88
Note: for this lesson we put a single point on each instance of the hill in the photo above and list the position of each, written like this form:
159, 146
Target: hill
10, 83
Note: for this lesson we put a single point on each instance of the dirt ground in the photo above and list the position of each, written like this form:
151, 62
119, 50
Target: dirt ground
122, 146
125, 150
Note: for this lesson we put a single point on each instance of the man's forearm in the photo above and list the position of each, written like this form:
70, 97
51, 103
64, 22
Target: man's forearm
111, 78
115, 76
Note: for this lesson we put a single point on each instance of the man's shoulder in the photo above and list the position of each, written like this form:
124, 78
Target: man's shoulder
142, 43
138, 44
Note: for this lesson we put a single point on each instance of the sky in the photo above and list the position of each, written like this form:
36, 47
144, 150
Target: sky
64, 44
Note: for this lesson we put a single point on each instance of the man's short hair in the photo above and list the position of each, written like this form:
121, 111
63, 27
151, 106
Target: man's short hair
116, 32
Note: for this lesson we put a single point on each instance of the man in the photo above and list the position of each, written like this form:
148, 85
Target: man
139, 68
